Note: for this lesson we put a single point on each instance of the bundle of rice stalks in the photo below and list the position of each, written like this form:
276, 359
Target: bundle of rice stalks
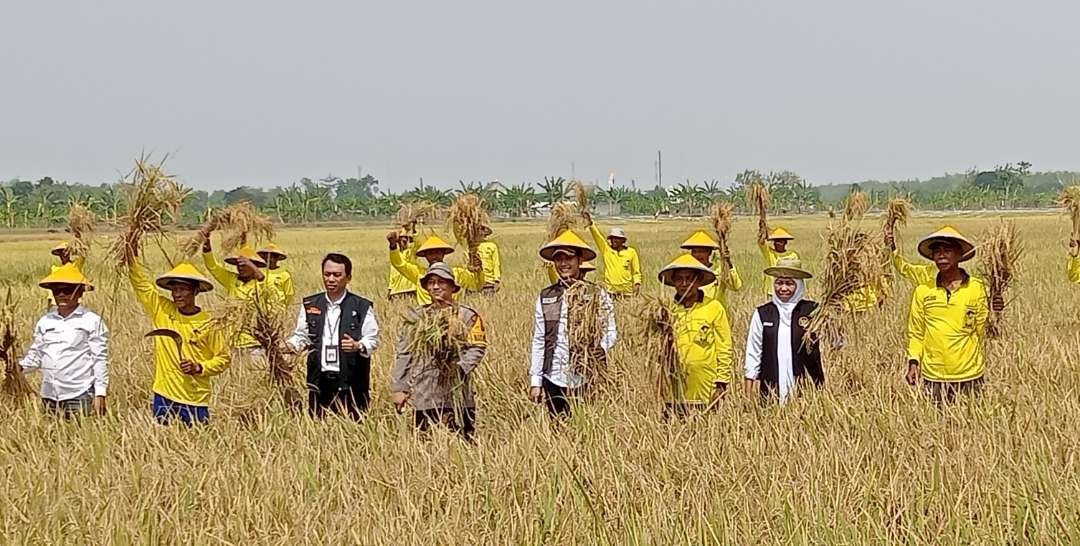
466, 219
586, 325
758, 198
81, 225
720, 215
852, 263
153, 198
436, 338
414, 213
658, 334
238, 223
15, 384
856, 205
269, 323
896, 212
562, 218
581, 195
998, 262
1070, 199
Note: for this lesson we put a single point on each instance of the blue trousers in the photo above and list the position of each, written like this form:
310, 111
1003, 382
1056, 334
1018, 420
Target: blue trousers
165, 410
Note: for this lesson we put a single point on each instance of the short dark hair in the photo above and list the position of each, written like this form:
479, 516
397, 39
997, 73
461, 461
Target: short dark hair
339, 259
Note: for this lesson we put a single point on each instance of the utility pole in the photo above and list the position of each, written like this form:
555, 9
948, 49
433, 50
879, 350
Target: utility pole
659, 169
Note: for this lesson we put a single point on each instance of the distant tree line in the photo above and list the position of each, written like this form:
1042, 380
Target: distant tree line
44, 202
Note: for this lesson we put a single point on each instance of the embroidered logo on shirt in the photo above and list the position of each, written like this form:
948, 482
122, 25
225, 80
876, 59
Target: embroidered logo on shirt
313, 311
804, 322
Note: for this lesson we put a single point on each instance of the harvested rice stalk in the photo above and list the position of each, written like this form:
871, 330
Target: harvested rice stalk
153, 198
759, 198
269, 323
998, 261
437, 336
856, 205
563, 218
466, 219
720, 214
852, 262
81, 225
238, 223
414, 213
658, 333
586, 325
897, 212
15, 384
1070, 199
581, 196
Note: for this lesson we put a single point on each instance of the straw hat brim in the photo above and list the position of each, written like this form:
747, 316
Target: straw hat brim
548, 252
281, 255
966, 247
258, 262
444, 249
48, 285
789, 272
203, 284
667, 272
780, 238
453, 281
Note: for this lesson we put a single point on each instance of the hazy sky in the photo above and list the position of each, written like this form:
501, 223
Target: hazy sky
265, 92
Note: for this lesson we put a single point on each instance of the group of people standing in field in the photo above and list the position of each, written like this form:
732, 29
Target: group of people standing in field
338, 330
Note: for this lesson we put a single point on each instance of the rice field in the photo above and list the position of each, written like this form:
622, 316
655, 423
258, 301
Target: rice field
866, 461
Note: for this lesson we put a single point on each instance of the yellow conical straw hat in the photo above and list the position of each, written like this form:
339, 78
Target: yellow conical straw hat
788, 267
780, 233
947, 233
700, 239
246, 252
188, 273
434, 242
271, 248
66, 274
60, 247
686, 261
567, 239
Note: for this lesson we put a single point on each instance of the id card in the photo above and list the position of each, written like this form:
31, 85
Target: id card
331, 355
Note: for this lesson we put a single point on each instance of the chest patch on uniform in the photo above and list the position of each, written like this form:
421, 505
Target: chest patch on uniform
766, 324
313, 311
548, 301
804, 322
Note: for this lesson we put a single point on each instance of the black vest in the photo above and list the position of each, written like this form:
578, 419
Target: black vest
805, 358
355, 369
551, 301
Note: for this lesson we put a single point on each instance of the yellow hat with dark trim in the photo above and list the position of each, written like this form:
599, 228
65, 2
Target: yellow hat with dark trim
66, 274
700, 239
947, 233
272, 249
246, 252
567, 240
780, 234
187, 273
60, 247
587, 266
434, 242
688, 262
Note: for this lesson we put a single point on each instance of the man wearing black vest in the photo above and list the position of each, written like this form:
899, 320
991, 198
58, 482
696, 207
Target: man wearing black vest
777, 358
340, 333
552, 378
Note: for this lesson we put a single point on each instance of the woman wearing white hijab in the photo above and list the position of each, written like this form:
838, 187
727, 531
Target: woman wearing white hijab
776, 357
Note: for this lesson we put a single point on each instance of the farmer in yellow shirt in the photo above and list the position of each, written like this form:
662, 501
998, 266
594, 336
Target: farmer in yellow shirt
397, 286
622, 268
276, 275
63, 252
916, 274
947, 321
434, 250
492, 264
189, 349
1074, 261
248, 284
701, 247
702, 337
779, 238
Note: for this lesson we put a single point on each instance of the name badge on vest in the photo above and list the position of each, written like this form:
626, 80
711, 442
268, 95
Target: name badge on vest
767, 324
548, 301
331, 354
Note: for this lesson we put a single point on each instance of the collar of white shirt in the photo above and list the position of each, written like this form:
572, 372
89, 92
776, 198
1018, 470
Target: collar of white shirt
78, 312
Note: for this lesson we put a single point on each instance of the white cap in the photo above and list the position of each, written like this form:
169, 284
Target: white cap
617, 232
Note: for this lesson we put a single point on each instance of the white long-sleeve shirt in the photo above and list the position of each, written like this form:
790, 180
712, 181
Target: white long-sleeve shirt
331, 334
559, 373
785, 374
72, 353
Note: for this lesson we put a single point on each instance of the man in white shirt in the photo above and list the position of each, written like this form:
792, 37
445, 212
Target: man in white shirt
70, 347
340, 333
558, 373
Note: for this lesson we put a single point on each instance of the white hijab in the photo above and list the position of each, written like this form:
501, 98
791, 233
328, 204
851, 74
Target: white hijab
786, 309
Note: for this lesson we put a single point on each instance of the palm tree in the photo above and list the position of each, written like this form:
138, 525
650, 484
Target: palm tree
553, 189
518, 200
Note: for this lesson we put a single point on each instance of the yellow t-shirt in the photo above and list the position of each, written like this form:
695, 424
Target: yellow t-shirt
703, 341
916, 274
466, 279
718, 290
945, 331
622, 268
489, 256
202, 342
771, 257
281, 279
265, 293
1074, 270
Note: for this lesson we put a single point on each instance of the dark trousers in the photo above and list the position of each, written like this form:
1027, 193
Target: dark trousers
165, 410
559, 400
447, 417
942, 392
79, 406
330, 394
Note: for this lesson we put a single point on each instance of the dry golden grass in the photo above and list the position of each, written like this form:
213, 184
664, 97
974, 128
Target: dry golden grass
866, 461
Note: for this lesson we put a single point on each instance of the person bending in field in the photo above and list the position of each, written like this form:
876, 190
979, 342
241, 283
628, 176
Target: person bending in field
340, 333
1074, 261
431, 386
947, 321
702, 337
195, 351
622, 267
71, 348
278, 276
434, 250
551, 377
702, 247
779, 239
778, 357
